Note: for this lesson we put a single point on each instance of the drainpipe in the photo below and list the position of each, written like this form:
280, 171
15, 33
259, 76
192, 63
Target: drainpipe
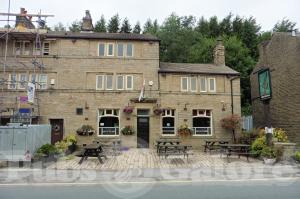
231, 95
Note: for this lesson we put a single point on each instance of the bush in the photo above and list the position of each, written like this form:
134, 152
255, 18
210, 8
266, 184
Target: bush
47, 149
268, 152
258, 145
61, 146
70, 139
231, 122
280, 134
247, 137
297, 156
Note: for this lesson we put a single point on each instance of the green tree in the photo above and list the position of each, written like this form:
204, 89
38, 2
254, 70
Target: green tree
214, 30
126, 27
100, 25
137, 28
285, 25
75, 26
114, 24
264, 36
59, 27
202, 26
226, 25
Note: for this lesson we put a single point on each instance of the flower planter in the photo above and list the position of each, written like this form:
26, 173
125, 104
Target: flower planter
269, 161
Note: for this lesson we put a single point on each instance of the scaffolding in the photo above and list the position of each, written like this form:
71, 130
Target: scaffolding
12, 105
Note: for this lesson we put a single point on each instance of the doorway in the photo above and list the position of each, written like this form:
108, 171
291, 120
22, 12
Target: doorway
143, 129
57, 130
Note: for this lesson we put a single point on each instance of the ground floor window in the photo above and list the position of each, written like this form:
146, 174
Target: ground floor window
168, 122
202, 122
108, 122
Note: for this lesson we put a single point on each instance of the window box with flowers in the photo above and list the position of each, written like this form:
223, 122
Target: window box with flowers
127, 130
184, 131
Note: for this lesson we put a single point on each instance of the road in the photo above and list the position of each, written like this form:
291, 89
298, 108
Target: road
287, 188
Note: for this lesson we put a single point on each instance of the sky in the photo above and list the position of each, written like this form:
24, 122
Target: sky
266, 12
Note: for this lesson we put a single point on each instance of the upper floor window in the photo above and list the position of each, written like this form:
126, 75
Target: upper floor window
120, 82
101, 49
46, 48
129, 82
203, 87
120, 50
212, 84
26, 48
43, 81
99, 82
194, 84
129, 52
22, 48
109, 82
12, 81
110, 49
18, 47
202, 122
184, 83
22, 81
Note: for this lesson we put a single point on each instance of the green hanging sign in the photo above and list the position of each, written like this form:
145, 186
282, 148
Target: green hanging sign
264, 81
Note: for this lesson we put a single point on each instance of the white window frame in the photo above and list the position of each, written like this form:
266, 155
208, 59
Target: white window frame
43, 85
187, 84
126, 83
132, 50
113, 49
168, 115
20, 48
193, 77
203, 116
112, 82
205, 80
209, 85
12, 83
104, 50
21, 81
123, 55
117, 82
46, 51
102, 83
117, 129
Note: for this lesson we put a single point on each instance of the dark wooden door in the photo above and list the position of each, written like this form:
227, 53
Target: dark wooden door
57, 130
143, 132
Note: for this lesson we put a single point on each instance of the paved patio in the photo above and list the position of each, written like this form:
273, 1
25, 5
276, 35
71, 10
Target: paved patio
148, 158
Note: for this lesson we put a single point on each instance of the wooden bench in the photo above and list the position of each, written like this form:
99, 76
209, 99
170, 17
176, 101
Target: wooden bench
236, 149
213, 145
175, 150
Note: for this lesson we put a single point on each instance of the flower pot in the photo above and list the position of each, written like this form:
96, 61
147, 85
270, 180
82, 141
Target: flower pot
269, 161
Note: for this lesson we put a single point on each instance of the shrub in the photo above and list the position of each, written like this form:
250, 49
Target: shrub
268, 152
70, 139
258, 145
280, 134
232, 122
47, 149
297, 156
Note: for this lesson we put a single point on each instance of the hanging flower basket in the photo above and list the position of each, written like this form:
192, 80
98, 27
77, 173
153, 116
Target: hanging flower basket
128, 110
85, 130
158, 111
184, 131
127, 130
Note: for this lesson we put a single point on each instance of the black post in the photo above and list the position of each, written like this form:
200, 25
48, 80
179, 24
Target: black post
232, 112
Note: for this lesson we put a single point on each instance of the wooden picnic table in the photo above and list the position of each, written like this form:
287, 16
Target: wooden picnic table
92, 150
166, 141
236, 149
213, 144
178, 149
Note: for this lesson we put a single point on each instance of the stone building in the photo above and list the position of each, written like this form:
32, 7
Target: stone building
88, 78
280, 57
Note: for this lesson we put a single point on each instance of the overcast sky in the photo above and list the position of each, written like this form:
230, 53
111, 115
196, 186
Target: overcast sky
266, 12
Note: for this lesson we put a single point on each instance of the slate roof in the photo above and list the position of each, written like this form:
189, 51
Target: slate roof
196, 69
105, 36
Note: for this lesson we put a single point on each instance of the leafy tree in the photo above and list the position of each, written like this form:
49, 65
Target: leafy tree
114, 24
285, 25
214, 30
75, 26
100, 25
188, 22
126, 27
137, 28
226, 25
151, 28
202, 26
59, 27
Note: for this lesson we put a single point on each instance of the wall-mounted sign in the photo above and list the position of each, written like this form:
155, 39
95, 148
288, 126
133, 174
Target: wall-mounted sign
264, 83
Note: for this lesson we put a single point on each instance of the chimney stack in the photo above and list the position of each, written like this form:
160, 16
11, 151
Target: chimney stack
87, 24
219, 53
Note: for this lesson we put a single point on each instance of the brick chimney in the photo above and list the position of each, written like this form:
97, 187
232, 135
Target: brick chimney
24, 22
219, 53
87, 24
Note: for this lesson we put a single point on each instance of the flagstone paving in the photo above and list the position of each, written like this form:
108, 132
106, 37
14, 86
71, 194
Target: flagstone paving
148, 158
